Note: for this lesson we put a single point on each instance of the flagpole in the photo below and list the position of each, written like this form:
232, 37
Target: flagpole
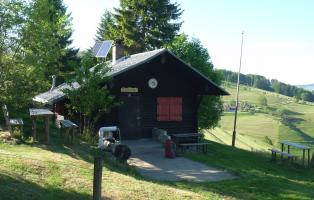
237, 98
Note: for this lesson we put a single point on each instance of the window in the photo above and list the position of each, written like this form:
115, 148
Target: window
169, 109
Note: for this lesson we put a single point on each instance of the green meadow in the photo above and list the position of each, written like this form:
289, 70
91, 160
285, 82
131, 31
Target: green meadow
284, 118
30, 171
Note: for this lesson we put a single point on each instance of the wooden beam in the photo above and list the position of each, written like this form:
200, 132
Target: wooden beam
303, 156
47, 129
308, 157
34, 128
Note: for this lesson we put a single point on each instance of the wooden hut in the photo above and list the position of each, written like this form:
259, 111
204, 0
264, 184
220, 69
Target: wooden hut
156, 89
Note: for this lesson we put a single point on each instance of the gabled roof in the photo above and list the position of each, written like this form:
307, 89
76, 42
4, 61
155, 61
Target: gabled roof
122, 65
56, 94
128, 62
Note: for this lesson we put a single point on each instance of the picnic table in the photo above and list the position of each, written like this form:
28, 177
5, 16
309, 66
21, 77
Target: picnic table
36, 113
298, 146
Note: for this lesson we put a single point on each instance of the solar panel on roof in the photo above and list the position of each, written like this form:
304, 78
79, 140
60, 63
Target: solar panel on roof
96, 47
104, 49
101, 48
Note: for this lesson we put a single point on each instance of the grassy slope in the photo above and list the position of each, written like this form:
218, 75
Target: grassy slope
259, 178
59, 172
252, 129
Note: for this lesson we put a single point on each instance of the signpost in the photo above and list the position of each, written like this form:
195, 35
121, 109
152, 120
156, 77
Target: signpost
98, 164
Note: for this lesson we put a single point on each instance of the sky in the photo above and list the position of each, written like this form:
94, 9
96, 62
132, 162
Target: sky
278, 34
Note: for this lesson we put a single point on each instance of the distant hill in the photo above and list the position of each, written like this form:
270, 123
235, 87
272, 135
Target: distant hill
261, 127
309, 87
261, 82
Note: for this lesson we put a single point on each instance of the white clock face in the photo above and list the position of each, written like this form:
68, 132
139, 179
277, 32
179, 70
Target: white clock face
152, 83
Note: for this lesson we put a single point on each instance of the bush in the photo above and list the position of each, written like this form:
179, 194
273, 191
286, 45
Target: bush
262, 100
89, 136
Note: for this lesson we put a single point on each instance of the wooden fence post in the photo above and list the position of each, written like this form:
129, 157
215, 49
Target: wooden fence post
98, 164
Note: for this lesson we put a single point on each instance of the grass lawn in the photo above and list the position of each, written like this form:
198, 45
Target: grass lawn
29, 171
252, 130
59, 172
259, 178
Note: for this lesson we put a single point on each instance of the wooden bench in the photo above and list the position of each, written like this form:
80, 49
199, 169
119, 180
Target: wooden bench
182, 138
68, 126
11, 123
274, 153
201, 146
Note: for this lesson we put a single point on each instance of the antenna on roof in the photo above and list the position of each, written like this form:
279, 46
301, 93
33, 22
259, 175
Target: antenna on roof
101, 48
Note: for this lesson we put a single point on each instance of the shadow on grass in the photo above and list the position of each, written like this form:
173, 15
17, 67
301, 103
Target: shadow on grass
81, 150
259, 178
78, 150
259, 187
122, 168
15, 189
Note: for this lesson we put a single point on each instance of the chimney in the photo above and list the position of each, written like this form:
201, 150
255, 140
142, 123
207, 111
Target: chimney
117, 52
53, 85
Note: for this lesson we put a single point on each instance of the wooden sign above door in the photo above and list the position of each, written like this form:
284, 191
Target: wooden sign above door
129, 90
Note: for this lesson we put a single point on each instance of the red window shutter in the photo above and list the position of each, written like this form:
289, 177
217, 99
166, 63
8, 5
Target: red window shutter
176, 109
163, 106
169, 109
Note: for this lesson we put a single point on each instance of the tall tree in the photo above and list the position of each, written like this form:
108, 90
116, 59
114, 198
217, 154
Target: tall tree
92, 98
105, 29
192, 52
12, 18
46, 39
142, 24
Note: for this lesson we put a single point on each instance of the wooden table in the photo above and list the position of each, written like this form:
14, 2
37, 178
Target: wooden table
185, 137
298, 146
36, 113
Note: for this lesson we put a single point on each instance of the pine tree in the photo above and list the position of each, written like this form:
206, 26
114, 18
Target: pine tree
104, 30
46, 40
142, 24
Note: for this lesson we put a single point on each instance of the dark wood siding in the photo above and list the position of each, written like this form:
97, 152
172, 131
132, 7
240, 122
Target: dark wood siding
175, 79
171, 83
149, 120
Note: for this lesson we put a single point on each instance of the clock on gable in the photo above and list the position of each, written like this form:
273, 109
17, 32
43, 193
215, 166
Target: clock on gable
152, 83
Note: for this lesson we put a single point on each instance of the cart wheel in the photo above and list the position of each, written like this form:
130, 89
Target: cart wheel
122, 152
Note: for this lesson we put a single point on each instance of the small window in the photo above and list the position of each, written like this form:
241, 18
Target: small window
169, 109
